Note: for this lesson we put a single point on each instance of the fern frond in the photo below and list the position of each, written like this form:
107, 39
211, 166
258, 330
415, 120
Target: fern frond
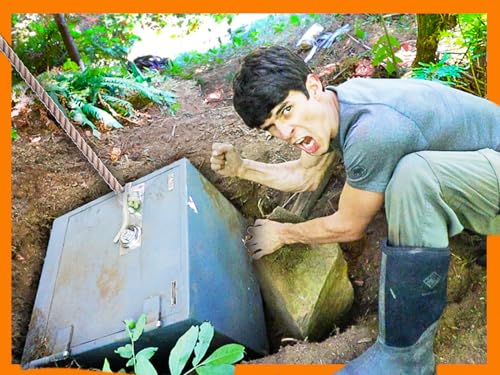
18, 89
54, 81
119, 104
75, 101
80, 94
55, 89
156, 95
79, 117
91, 78
101, 115
55, 98
136, 72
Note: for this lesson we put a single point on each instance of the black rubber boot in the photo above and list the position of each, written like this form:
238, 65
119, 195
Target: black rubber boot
412, 297
481, 259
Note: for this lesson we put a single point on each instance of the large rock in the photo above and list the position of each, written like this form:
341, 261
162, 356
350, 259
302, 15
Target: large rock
305, 288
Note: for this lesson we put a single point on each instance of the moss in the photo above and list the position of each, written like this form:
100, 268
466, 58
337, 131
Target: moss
306, 288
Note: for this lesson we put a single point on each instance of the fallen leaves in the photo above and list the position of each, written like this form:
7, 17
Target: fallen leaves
115, 154
213, 97
407, 53
35, 139
364, 68
327, 70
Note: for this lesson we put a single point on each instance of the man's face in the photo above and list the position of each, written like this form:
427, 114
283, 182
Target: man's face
308, 124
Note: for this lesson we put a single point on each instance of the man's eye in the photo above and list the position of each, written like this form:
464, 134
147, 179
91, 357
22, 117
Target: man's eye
288, 109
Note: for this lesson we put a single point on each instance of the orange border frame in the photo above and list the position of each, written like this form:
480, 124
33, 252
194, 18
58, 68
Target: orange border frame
219, 6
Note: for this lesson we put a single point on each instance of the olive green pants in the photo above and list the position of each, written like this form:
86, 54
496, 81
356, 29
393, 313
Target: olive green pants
434, 195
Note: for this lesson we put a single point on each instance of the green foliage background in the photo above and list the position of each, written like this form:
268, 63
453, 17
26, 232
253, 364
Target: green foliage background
105, 40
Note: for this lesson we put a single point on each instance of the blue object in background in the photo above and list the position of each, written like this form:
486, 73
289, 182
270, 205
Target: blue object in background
191, 267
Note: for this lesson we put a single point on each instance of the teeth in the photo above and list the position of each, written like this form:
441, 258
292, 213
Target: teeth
300, 140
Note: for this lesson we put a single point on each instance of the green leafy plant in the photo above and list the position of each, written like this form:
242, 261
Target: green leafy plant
253, 35
314, 17
295, 20
383, 52
194, 343
98, 98
220, 17
188, 64
99, 38
140, 362
474, 35
197, 340
440, 71
104, 37
13, 134
358, 29
37, 42
465, 68
279, 27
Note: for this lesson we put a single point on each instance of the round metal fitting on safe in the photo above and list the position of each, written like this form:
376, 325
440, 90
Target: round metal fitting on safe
130, 236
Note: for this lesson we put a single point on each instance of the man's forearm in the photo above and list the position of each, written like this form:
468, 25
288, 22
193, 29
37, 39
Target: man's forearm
322, 230
356, 209
286, 176
292, 176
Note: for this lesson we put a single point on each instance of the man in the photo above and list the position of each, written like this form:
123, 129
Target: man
430, 152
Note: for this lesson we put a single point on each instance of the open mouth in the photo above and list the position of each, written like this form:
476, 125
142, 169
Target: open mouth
308, 144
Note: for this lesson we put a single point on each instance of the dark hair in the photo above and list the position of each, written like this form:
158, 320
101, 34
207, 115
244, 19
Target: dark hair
266, 77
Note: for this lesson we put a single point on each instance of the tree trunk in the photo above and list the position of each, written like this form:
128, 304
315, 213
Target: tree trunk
429, 30
68, 39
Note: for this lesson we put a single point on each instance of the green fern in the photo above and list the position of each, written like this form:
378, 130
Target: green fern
127, 86
136, 72
79, 117
96, 94
123, 106
440, 71
55, 98
75, 100
88, 83
101, 115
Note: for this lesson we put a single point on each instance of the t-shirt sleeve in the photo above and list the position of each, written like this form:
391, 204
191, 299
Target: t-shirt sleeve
375, 144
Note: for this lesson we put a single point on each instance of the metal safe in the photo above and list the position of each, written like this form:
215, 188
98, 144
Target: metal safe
180, 259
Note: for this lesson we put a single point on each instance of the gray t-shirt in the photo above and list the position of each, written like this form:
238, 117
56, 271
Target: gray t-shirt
382, 120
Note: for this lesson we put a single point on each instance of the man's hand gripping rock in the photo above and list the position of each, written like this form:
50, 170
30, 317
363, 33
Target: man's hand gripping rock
264, 238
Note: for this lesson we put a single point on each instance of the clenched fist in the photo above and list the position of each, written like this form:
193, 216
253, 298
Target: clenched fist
226, 160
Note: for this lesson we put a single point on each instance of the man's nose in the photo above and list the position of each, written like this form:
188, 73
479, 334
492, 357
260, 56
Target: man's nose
285, 131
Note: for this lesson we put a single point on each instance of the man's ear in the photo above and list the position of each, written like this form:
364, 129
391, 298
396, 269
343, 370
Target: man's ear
314, 85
